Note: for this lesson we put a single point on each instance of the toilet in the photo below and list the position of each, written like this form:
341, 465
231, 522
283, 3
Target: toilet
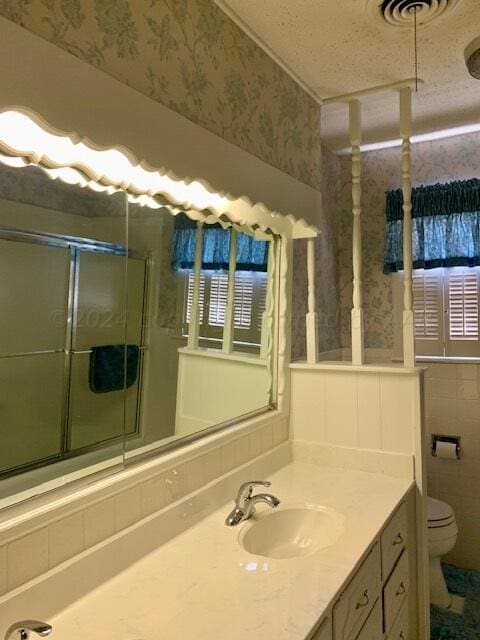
442, 536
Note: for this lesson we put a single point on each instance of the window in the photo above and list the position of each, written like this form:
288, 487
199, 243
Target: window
249, 304
446, 316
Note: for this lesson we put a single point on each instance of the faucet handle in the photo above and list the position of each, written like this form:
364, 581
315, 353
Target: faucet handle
21, 630
246, 489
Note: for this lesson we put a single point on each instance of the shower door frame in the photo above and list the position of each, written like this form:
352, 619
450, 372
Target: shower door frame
75, 245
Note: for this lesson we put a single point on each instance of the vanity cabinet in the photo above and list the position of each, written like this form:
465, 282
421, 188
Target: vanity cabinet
373, 627
395, 592
324, 631
358, 598
374, 604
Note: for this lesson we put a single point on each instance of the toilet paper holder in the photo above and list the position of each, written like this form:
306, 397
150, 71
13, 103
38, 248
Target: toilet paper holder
450, 439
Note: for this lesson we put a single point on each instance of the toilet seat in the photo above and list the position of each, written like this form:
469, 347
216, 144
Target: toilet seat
440, 514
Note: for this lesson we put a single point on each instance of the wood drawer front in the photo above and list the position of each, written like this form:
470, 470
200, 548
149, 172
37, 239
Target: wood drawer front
400, 628
373, 627
356, 602
395, 592
394, 539
324, 632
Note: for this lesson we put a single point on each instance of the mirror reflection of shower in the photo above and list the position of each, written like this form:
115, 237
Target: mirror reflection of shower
98, 298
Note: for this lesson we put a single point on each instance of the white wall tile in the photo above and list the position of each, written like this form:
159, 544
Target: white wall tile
194, 474
280, 432
212, 463
243, 450
457, 482
66, 538
430, 386
3, 570
341, 413
228, 455
267, 438
467, 372
128, 508
445, 370
255, 443
27, 558
99, 522
468, 410
446, 388
174, 483
369, 422
467, 389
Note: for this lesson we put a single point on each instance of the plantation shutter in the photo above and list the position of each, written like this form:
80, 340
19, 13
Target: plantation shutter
243, 300
463, 315
262, 299
428, 312
190, 283
249, 304
218, 299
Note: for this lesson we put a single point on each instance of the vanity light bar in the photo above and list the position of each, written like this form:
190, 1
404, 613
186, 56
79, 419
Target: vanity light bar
34, 141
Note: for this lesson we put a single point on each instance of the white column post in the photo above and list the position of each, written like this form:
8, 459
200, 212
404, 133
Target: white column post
267, 315
311, 319
357, 311
406, 132
229, 324
193, 327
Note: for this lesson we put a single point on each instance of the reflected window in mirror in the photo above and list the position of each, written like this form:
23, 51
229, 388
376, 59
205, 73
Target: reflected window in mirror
210, 327
125, 328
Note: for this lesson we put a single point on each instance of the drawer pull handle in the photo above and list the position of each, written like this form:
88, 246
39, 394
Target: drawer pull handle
401, 589
398, 539
364, 600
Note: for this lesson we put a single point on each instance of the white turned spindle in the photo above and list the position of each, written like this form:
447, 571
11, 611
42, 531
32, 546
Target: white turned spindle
357, 311
267, 315
406, 132
193, 327
229, 324
311, 319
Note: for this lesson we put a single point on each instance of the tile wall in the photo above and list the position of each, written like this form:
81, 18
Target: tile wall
25, 557
452, 407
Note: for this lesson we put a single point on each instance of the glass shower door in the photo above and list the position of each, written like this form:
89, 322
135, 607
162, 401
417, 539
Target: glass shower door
101, 409
34, 290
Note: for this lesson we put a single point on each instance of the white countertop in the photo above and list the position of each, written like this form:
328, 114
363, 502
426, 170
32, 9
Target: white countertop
202, 585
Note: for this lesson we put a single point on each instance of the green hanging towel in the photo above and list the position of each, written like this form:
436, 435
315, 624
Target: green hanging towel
107, 367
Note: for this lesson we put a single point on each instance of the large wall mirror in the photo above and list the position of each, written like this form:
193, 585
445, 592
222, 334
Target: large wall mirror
125, 325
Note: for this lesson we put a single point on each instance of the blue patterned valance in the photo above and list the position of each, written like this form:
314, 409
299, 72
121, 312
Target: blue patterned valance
445, 226
252, 255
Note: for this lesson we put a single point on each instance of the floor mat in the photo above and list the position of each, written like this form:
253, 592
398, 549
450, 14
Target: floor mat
451, 626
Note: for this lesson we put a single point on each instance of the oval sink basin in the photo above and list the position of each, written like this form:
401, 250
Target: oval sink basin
291, 532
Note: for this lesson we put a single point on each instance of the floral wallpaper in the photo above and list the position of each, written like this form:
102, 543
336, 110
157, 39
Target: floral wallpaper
188, 55
326, 270
455, 158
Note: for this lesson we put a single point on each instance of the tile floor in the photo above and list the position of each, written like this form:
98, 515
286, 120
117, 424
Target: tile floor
451, 626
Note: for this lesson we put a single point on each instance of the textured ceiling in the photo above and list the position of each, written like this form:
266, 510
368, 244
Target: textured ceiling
335, 47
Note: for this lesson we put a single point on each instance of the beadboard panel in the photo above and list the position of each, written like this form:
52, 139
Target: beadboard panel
363, 408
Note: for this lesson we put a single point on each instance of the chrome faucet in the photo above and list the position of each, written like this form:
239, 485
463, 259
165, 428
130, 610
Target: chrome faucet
21, 630
245, 502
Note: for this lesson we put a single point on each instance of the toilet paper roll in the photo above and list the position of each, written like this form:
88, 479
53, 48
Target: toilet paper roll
446, 450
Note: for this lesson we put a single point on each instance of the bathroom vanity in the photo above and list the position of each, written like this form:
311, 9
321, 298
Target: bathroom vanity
202, 582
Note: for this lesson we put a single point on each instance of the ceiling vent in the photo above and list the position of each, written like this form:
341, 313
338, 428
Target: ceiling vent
401, 13
472, 58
